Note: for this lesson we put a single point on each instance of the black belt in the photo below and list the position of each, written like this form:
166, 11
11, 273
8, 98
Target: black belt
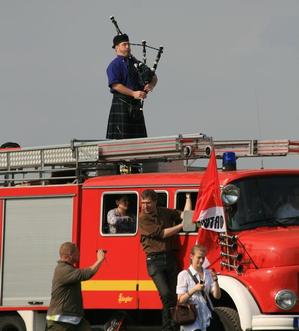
157, 254
153, 256
126, 98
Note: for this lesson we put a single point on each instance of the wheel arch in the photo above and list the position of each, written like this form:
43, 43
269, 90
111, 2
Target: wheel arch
238, 296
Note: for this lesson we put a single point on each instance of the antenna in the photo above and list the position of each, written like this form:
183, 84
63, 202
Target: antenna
258, 123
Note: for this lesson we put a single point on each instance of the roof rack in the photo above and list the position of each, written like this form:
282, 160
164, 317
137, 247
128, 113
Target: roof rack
87, 158
74, 161
126, 150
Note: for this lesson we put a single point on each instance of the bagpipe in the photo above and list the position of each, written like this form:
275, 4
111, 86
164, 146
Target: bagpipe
145, 73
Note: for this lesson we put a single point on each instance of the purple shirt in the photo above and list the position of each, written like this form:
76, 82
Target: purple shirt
121, 70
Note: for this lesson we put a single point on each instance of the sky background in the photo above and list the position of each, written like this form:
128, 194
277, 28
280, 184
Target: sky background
230, 69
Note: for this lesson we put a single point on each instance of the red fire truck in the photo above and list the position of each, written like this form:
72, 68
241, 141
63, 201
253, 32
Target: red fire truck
49, 195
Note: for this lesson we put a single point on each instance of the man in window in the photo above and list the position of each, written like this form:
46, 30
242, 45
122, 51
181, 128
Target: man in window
119, 219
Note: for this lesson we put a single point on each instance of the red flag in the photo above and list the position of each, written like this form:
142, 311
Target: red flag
209, 211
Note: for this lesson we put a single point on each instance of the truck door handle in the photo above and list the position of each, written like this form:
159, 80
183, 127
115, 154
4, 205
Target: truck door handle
35, 303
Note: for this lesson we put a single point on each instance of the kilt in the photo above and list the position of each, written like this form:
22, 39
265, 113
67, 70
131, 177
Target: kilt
126, 120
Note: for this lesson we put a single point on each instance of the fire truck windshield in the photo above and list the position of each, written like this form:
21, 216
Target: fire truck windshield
265, 201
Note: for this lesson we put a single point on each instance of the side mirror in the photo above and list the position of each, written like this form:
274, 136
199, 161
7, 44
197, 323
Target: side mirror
188, 225
230, 194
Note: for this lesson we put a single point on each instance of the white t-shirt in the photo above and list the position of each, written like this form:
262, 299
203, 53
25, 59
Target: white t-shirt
186, 283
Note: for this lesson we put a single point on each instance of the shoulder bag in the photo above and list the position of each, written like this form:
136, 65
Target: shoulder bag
184, 313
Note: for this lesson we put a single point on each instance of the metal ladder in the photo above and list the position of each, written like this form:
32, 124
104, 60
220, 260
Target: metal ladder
257, 148
126, 150
80, 157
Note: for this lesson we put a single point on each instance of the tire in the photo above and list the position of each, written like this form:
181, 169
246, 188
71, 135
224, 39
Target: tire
12, 323
225, 319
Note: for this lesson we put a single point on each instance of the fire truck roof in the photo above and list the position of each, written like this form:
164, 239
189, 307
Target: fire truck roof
177, 179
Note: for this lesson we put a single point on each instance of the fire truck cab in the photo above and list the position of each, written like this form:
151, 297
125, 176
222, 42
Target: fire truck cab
257, 268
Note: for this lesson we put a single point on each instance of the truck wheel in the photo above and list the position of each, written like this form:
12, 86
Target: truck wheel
225, 319
12, 323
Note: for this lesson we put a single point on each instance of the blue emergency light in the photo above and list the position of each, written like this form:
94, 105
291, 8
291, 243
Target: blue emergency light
229, 161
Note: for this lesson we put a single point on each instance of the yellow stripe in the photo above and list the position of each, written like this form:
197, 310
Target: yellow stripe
109, 285
118, 285
147, 285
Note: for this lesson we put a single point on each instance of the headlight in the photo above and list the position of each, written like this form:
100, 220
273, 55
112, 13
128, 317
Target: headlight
285, 299
230, 194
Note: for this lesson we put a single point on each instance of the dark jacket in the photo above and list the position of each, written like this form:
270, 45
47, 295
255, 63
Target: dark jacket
66, 297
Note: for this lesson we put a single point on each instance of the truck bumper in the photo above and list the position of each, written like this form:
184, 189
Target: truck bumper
275, 322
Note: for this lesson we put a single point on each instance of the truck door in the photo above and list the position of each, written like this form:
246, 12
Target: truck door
117, 280
148, 293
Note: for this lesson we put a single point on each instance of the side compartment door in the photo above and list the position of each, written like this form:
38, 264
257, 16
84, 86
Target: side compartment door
33, 229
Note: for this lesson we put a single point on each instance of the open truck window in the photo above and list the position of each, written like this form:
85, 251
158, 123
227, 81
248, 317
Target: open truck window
119, 213
185, 200
162, 199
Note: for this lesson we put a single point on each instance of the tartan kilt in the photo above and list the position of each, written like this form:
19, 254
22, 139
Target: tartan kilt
126, 120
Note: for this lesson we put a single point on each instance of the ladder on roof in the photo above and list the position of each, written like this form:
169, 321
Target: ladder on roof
78, 157
257, 148
108, 151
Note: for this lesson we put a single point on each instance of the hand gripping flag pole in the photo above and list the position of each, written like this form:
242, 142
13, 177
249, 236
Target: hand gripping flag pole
209, 212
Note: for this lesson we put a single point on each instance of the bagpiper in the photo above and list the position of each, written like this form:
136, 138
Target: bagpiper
129, 81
